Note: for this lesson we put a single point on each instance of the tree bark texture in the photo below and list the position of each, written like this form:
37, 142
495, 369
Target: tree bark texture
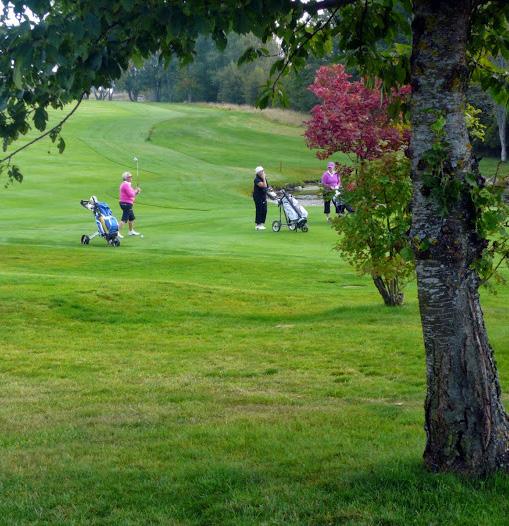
467, 429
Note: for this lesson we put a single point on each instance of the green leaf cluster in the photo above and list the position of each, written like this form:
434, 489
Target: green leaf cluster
489, 37
374, 239
439, 181
13, 174
491, 213
439, 177
475, 127
374, 37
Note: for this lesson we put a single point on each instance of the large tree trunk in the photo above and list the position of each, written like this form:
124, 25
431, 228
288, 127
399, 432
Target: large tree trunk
466, 426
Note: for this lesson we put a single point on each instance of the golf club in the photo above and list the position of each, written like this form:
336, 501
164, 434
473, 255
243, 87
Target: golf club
135, 159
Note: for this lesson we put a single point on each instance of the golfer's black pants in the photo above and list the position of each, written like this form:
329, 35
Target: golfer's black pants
261, 210
326, 207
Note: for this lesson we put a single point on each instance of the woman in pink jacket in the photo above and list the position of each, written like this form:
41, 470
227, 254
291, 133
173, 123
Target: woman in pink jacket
331, 182
127, 195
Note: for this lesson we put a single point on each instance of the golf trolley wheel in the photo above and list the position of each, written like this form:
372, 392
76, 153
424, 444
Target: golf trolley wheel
292, 226
305, 228
276, 226
85, 240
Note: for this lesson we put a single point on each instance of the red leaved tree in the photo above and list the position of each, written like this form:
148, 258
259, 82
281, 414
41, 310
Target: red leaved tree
354, 119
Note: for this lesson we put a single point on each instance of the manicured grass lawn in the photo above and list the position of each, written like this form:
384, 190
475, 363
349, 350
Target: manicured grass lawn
208, 373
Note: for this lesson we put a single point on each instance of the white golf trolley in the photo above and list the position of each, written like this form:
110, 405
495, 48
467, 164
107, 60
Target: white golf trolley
291, 214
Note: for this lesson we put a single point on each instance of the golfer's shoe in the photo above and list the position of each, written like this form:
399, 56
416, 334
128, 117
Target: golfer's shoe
260, 227
120, 236
133, 233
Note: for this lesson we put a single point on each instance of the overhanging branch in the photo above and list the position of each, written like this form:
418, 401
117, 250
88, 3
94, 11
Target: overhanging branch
302, 43
59, 125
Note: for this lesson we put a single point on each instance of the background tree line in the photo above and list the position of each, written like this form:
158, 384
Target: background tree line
215, 76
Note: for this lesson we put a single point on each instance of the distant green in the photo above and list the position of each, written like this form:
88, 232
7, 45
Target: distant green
207, 374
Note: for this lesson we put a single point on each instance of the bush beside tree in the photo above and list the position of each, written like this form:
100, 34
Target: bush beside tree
354, 119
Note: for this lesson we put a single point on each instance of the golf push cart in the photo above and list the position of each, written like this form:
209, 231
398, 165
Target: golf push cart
291, 214
107, 224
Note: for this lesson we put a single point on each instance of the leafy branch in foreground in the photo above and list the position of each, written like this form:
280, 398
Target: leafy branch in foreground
13, 172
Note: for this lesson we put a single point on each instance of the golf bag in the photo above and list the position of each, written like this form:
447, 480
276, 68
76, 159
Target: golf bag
106, 222
339, 204
295, 215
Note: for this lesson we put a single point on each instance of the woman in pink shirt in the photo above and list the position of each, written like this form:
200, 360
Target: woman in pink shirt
331, 182
127, 195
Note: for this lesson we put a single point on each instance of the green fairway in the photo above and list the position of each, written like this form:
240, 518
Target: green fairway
207, 374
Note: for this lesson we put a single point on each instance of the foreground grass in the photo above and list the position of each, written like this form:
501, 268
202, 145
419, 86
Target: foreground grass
207, 374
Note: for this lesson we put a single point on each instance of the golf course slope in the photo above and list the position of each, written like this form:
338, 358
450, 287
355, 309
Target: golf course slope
207, 374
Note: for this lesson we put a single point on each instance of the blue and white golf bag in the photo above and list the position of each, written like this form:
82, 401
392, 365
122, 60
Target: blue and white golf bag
107, 224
